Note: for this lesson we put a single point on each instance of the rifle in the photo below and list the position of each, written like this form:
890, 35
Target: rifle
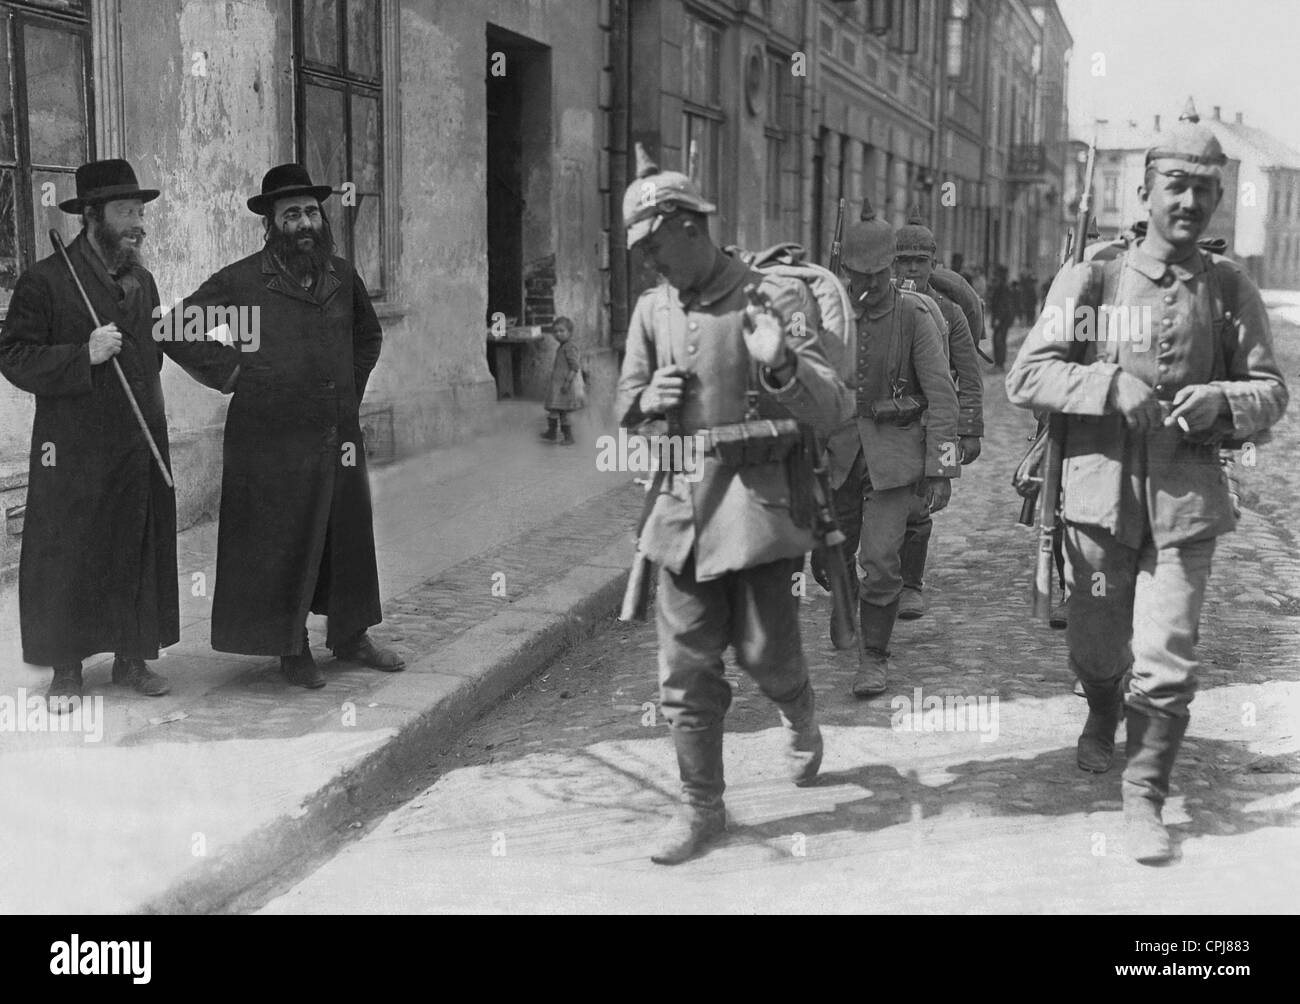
636, 596
1054, 445
833, 561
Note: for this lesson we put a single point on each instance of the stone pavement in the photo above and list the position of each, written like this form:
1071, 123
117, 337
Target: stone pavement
493, 557
546, 804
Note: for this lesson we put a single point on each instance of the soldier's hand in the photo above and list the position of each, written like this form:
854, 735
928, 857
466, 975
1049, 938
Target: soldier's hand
969, 447
936, 492
1199, 405
1136, 402
765, 338
105, 343
665, 390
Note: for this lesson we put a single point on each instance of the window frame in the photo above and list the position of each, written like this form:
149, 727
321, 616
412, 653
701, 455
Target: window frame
15, 16
342, 79
714, 114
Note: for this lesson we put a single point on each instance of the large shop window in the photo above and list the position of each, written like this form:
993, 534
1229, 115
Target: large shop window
339, 102
46, 126
702, 104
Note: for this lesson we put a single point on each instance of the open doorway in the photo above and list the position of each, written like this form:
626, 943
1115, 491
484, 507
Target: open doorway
520, 275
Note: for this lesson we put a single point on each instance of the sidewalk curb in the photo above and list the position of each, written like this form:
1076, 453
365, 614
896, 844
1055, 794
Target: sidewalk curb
466, 677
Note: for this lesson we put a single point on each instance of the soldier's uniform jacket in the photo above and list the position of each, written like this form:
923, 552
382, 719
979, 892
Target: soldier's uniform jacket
734, 518
960, 349
1165, 480
966, 297
899, 455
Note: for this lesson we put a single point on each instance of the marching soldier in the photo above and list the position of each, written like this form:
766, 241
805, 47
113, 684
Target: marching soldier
914, 261
902, 443
1144, 496
726, 540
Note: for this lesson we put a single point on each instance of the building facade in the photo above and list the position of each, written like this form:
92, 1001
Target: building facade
467, 145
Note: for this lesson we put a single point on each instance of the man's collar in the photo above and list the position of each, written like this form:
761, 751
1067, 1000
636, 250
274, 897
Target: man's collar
1154, 269
886, 305
270, 263
726, 277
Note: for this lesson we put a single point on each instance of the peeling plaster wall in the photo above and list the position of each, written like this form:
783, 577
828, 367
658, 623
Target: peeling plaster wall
205, 140
207, 110
444, 209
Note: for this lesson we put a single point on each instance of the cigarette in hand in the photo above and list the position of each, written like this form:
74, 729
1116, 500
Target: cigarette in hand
1182, 424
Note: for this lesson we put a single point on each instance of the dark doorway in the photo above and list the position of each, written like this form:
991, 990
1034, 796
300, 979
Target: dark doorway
518, 89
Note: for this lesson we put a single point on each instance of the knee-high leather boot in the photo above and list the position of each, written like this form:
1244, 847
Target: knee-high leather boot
703, 818
803, 737
1097, 741
873, 655
1152, 746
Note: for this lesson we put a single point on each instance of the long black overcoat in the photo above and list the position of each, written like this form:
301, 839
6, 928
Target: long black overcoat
98, 565
296, 525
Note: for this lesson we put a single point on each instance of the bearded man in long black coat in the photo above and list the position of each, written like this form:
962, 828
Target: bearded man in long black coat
296, 532
98, 566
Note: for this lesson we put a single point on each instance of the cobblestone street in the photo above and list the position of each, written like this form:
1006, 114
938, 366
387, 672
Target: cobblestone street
544, 804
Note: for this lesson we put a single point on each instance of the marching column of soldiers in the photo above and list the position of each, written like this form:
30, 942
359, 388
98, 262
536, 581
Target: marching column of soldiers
1143, 496
889, 409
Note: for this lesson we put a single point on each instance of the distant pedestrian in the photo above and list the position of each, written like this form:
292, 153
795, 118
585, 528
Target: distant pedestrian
1028, 288
568, 389
1002, 305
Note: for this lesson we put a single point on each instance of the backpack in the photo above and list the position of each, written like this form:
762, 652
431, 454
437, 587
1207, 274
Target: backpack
1102, 287
789, 260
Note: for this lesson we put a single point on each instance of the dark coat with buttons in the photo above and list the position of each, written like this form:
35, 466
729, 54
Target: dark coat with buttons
98, 567
296, 526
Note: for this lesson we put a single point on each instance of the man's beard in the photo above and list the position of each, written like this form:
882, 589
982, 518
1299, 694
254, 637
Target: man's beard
298, 262
119, 254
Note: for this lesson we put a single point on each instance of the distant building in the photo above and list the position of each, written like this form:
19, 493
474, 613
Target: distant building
1259, 216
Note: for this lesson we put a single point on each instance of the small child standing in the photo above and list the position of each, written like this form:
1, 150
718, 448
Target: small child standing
568, 391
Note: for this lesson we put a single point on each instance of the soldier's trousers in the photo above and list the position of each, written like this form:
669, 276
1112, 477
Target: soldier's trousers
1140, 608
874, 522
755, 610
920, 525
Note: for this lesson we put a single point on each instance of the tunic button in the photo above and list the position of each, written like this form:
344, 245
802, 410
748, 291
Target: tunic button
327, 384
1160, 386
1168, 322
1169, 299
1164, 345
690, 349
693, 326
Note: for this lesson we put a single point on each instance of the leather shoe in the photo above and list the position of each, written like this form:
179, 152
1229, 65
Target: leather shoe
302, 670
65, 685
133, 673
911, 604
366, 652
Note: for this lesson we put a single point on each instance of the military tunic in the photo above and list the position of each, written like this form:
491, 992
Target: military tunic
1142, 510
876, 468
726, 544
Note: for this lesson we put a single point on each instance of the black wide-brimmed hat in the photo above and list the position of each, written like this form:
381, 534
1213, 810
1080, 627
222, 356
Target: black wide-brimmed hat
283, 181
103, 181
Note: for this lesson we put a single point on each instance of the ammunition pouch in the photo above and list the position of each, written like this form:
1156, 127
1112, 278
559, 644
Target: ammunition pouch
902, 410
760, 441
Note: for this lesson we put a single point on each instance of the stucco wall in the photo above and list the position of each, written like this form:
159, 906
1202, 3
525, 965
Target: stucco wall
206, 139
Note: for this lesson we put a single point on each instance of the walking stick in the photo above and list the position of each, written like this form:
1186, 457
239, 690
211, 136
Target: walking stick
57, 240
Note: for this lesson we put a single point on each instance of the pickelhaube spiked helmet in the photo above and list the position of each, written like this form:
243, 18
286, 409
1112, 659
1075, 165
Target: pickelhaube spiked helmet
914, 237
868, 244
1188, 148
656, 194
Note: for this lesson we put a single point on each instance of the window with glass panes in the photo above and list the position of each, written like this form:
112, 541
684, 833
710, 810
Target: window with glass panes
702, 103
340, 122
46, 126
777, 130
